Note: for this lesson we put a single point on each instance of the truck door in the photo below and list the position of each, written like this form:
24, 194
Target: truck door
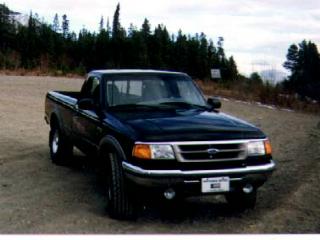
86, 124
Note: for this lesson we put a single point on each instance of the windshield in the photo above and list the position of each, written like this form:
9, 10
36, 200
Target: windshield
154, 90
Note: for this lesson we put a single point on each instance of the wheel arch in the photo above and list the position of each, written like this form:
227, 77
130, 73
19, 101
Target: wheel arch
54, 120
57, 121
110, 143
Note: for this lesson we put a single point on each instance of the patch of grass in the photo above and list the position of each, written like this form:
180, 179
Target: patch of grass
265, 94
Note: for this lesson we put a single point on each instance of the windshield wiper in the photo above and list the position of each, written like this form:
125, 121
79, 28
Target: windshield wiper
159, 106
185, 105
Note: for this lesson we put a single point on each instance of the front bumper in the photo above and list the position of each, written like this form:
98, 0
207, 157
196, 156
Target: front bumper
204, 173
190, 181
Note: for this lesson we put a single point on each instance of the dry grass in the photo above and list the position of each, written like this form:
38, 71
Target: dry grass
263, 94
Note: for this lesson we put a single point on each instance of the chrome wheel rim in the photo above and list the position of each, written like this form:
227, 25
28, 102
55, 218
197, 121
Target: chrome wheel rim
55, 142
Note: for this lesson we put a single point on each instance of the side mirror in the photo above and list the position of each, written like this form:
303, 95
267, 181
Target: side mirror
214, 102
86, 104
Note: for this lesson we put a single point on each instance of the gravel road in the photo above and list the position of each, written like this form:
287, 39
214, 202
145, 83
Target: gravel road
39, 197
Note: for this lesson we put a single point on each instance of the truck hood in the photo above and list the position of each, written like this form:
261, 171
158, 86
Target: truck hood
188, 126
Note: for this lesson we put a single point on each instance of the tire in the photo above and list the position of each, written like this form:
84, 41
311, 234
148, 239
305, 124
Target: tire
120, 206
240, 200
60, 147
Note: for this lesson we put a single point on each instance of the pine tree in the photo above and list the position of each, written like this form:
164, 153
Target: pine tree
146, 28
303, 61
255, 79
6, 27
108, 28
203, 57
56, 24
232, 69
220, 51
180, 53
118, 39
292, 58
30, 46
116, 26
65, 26
132, 30
212, 55
145, 44
101, 24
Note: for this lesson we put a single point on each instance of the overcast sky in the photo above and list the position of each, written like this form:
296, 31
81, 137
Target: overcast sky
256, 32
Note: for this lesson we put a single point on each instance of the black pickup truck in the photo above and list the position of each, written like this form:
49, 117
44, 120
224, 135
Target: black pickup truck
155, 134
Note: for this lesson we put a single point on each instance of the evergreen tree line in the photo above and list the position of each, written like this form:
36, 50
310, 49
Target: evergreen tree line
55, 47
303, 61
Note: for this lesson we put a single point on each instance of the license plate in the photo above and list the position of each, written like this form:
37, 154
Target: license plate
214, 185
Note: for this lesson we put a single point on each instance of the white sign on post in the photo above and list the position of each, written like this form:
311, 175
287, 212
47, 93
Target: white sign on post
215, 73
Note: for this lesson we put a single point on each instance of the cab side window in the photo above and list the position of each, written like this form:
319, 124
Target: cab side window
92, 89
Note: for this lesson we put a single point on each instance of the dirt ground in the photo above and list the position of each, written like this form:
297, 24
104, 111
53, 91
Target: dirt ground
39, 197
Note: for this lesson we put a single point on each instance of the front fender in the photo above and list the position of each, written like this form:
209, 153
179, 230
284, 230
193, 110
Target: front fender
110, 143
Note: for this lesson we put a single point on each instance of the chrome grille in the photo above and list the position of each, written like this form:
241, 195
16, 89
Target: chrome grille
210, 151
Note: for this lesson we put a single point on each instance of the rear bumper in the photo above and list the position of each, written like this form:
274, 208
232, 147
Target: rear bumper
189, 182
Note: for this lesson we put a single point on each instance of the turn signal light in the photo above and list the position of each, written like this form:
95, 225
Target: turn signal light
267, 147
142, 151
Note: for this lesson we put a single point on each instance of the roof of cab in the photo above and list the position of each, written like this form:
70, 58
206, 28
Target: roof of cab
134, 71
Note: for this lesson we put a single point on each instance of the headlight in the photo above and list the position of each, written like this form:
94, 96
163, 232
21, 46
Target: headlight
153, 151
258, 148
161, 152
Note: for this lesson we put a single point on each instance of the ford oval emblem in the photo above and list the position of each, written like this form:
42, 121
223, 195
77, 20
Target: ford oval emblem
213, 151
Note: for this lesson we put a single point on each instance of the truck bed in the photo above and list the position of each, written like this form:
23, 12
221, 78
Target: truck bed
64, 97
75, 95
61, 103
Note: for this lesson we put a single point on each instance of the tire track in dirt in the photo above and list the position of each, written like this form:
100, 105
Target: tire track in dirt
300, 201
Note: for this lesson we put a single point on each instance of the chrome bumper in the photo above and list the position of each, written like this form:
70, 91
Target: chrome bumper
179, 173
